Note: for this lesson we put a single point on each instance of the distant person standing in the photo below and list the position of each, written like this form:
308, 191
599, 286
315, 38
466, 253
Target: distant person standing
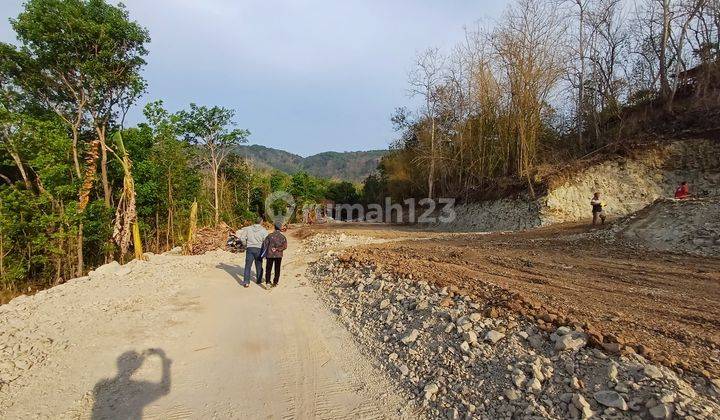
683, 191
252, 237
597, 209
274, 246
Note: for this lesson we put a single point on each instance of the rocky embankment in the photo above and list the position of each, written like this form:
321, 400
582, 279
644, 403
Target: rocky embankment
627, 185
691, 226
456, 358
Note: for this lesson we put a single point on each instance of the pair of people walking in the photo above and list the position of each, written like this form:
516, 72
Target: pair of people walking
260, 244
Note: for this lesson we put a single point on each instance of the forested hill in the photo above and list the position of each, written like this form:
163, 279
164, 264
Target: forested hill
351, 166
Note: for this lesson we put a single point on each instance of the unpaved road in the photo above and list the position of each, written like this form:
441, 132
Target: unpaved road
94, 348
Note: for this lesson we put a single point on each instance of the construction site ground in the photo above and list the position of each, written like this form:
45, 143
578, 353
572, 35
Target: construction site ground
663, 305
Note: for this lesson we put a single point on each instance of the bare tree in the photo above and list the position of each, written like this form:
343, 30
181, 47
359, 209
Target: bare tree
528, 50
426, 77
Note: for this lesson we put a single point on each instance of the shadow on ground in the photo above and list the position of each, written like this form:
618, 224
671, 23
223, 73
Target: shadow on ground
123, 397
235, 271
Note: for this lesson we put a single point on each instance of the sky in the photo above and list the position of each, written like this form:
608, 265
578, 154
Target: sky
303, 76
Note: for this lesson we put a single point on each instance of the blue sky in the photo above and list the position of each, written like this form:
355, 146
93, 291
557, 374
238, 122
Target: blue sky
304, 76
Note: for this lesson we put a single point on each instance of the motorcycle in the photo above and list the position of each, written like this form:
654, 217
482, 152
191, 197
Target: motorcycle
233, 244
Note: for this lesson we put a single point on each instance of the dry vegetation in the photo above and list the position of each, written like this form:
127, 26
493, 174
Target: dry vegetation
550, 83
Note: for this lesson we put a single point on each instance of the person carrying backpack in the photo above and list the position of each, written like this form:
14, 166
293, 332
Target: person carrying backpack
273, 246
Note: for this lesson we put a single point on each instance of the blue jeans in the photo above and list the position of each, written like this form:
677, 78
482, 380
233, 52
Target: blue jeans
253, 254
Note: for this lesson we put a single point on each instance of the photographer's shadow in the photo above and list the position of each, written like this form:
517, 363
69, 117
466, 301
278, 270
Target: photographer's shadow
122, 397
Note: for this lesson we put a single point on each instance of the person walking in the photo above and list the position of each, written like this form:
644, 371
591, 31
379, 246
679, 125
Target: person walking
252, 238
274, 245
597, 209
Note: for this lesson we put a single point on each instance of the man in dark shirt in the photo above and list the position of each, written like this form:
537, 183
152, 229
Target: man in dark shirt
274, 245
597, 209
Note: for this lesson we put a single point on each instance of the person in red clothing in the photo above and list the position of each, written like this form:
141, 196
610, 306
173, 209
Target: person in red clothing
683, 191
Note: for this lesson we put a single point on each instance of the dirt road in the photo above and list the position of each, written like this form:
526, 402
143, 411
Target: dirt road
177, 337
665, 306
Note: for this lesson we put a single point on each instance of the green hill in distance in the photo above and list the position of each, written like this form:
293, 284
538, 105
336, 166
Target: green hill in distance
349, 166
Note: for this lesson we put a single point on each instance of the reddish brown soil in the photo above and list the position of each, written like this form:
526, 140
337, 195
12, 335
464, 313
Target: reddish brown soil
665, 306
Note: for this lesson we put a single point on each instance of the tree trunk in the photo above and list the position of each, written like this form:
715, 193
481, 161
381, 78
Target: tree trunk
2, 257
664, 82
217, 197
103, 167
76, 159
157, 231
21, 168
169, 233
80, 262
581, 87
431, 173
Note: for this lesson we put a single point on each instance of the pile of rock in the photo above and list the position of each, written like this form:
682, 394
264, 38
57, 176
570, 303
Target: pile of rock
323, 242
457, 359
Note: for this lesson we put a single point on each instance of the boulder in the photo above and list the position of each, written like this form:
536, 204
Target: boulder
573, 341
611, 399
108, 268
652, 372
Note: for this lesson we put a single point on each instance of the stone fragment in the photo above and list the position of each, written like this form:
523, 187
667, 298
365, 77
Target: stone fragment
661, 411
410, 337
582, 405
534, 386
430, 390
652, 372
511, 394
611, 399
518, 377
494, 336
573, 342
612, 372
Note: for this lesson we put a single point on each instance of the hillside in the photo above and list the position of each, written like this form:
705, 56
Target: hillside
627, 184
351, 166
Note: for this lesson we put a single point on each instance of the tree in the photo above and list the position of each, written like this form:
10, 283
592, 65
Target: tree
527, 45
425, 80
14, 132
581, 51
343, 192
82, 56
169, 169
81, 59
214, 130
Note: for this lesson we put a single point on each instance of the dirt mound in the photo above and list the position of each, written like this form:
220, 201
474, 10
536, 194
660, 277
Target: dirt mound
464, 358
209, 239
661, 305
677, 225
